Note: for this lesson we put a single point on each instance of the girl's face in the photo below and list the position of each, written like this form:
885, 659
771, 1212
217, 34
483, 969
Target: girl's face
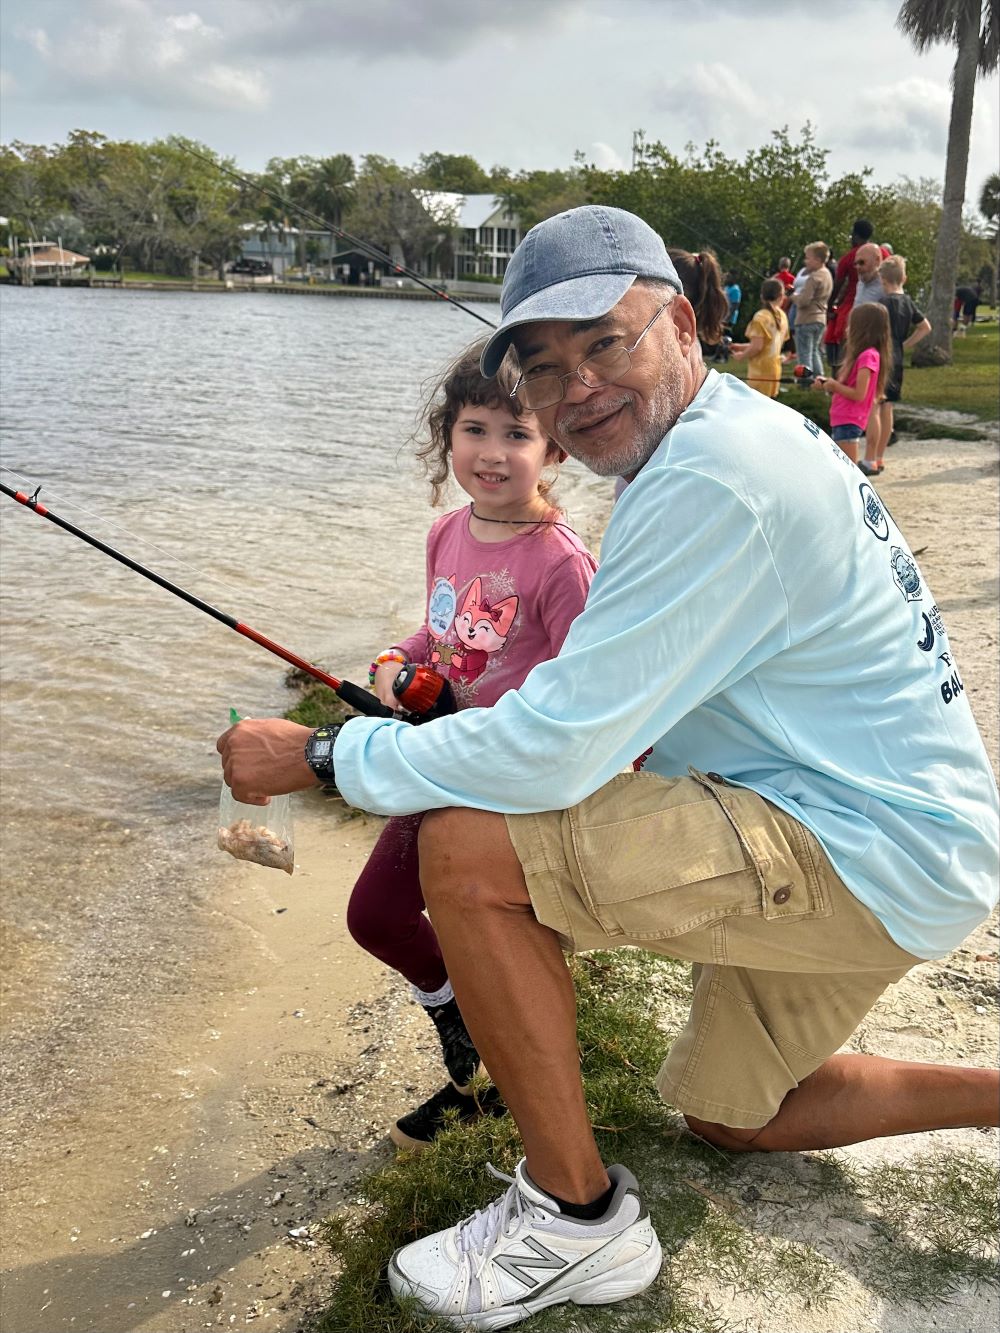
498, 458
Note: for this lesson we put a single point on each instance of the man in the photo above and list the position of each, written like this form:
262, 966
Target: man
757, 616
967, 300
845, 280
869, 285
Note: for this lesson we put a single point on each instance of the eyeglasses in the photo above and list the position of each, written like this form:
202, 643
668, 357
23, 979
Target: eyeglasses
595, 371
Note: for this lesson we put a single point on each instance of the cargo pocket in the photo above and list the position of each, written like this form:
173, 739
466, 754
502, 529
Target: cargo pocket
785, 855
674, 864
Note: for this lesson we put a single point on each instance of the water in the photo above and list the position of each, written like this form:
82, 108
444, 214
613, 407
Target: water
255, 439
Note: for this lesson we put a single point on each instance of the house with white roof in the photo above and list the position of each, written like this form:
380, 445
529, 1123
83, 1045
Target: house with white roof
486, 233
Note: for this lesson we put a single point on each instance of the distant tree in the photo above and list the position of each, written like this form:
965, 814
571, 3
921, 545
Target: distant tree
385, 211
973, 28
773, 201
536, 195
455, 172
989, 206
329, 191
29, 193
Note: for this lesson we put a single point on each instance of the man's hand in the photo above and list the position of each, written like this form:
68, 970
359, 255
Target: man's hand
265, 758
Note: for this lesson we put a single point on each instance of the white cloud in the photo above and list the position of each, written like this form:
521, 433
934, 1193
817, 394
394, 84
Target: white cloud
138, 49
710, 100
907, 116
37, 38
605, 157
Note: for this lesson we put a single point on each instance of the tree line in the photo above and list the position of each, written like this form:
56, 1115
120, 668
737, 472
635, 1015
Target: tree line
157, 206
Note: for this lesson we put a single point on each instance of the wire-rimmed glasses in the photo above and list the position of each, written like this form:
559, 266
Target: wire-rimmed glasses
606, 367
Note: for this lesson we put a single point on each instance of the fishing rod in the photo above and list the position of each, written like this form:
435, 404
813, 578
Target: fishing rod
366, 248
421, 691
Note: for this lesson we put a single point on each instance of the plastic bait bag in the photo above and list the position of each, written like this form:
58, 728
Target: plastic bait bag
243, 835
243, 832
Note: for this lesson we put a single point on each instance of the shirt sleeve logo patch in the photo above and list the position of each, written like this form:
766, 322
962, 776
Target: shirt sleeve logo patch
874, 514
905, 574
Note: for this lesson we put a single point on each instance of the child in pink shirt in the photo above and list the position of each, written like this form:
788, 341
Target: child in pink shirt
866, 362
505, 579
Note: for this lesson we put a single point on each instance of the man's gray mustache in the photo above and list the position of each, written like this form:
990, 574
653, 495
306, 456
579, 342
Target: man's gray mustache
580, 416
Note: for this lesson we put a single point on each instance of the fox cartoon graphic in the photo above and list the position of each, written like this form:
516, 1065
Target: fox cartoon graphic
482, 628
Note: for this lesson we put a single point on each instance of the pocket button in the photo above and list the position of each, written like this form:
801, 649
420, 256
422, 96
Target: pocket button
715, 777
782, 895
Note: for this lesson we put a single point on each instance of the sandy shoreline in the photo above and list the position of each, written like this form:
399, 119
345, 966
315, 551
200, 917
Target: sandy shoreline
165, 1199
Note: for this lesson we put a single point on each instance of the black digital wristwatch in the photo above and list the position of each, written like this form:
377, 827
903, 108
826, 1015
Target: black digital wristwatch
319, 752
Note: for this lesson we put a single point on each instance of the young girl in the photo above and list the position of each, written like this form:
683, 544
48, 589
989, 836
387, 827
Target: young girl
505, 579
867, 358
767, 333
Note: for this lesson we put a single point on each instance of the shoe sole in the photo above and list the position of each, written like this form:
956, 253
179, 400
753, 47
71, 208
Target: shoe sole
606, 1288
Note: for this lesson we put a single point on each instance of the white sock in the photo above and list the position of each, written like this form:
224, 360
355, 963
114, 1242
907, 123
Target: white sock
433, 999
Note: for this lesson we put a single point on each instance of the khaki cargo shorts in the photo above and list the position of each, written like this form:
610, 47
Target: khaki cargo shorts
787, 962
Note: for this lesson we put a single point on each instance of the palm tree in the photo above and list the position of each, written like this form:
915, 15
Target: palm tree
973, 27
989, 206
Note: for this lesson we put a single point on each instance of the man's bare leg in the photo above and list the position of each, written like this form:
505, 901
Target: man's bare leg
515, 993
850, 1098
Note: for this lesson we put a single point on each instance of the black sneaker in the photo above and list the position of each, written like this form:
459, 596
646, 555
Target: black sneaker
461, 1058
419, 1128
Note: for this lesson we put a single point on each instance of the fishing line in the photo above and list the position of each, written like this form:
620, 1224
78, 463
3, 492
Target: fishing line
372, 251
135, 536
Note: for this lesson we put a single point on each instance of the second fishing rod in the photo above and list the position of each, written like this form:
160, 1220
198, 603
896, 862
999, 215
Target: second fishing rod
421, 692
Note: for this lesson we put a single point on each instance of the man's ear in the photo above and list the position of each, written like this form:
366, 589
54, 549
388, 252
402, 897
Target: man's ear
685, 321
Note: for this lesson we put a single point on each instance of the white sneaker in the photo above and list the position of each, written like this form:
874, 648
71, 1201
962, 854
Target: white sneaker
521, 1254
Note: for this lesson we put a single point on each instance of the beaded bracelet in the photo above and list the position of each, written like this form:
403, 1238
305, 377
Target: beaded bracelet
389, 655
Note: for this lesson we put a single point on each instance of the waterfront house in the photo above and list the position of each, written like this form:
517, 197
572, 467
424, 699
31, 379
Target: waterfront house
485, 234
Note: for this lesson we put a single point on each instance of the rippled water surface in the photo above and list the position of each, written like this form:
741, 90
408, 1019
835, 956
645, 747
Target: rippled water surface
260, 440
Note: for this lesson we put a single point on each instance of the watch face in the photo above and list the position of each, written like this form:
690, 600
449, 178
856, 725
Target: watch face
321, 749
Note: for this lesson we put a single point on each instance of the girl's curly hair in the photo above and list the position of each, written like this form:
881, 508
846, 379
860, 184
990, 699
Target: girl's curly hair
463, 385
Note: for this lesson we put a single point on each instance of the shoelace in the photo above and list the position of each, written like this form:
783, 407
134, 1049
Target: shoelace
483, 1228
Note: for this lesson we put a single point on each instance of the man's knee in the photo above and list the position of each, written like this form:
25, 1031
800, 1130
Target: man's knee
467, 860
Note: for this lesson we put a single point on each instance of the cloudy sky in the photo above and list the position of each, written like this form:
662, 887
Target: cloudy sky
522, 82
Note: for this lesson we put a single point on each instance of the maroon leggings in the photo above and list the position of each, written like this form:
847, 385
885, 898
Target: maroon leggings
386, 911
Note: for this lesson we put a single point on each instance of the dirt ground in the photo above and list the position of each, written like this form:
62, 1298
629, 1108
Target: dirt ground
182, 1192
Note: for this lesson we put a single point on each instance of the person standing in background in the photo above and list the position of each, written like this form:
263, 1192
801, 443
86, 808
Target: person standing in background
869, 287
842, 301
907, 327
810, 304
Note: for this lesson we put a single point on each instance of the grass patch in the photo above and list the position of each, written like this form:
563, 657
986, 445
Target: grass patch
938, 1221
969, 384
317, 705
730, 1223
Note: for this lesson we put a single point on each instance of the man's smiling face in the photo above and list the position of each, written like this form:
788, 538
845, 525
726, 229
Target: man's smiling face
616, 428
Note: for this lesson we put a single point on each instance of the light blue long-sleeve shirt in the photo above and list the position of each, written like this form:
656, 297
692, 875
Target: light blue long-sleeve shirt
757, 613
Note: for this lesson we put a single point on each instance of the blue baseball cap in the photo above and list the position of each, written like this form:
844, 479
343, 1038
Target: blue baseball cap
576, 265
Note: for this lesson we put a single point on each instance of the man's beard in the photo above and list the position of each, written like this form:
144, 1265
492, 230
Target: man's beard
650, 423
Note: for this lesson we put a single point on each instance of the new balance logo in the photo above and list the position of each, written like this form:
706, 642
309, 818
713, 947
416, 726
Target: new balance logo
541, 1257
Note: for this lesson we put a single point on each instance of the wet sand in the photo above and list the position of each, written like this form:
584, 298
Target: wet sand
175, 1188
